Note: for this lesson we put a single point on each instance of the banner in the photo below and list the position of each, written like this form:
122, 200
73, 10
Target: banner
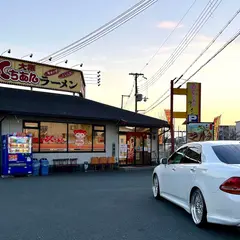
168, 115
199, 132
216, 122
194, 100
31, 74
160, 136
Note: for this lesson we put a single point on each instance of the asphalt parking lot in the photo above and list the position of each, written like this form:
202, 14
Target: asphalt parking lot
96, 206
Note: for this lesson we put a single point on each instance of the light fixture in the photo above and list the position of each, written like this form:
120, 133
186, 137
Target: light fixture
28, 55
80, 65
6, 51
66, 61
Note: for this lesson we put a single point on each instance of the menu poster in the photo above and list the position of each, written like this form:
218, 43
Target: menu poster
199, 132
123, 151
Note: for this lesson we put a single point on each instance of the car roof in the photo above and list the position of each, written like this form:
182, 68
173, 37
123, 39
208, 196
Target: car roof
214, 143
211, 143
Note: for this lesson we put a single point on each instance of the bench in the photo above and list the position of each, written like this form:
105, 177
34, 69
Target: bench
102, 162
65, 164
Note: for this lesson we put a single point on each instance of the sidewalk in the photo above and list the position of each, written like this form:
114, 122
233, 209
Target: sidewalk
137, 168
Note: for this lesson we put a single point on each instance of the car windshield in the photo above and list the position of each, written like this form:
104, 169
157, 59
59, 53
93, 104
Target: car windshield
229, 154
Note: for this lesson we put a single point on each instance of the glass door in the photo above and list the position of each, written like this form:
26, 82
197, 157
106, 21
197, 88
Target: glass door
123, 149
139, 156
147, 150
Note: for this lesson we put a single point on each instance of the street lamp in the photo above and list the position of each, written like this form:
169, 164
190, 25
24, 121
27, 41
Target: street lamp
28, 55
8, 51
66, 61
80, 65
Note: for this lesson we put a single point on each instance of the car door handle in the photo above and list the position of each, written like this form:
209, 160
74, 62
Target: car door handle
193, 169
174, 169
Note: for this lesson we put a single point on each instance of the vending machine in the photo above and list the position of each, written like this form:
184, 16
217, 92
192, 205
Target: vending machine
17, 154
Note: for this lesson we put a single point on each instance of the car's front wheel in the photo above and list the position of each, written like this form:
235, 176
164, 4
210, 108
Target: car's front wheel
156, 187
198, 208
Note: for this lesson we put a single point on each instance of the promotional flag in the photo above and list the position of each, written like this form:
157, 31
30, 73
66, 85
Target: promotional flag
216, 122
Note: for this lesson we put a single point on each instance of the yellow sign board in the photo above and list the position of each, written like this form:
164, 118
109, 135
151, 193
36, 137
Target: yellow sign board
194, 99
180, 91
37, 75
179, 115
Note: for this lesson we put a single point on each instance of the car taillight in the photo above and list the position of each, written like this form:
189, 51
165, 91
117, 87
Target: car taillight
232, 186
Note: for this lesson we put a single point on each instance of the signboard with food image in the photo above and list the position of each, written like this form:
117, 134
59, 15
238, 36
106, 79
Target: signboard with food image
37, 75
197, 132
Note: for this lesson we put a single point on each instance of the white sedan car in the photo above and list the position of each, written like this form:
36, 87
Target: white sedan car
204, 179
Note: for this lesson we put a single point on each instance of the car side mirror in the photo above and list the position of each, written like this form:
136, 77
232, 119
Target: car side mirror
164, 161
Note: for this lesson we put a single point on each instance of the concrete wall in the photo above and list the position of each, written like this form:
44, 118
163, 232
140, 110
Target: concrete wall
14, 124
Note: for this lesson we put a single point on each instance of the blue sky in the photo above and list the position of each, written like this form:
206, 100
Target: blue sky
43, 27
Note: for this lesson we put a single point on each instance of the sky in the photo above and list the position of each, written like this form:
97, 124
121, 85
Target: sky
43, 27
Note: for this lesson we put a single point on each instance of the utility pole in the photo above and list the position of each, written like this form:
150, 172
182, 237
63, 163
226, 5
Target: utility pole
171, 116
136, 75
122, 99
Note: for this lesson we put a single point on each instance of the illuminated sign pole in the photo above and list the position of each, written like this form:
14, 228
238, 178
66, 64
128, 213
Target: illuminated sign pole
193, 105
171, 116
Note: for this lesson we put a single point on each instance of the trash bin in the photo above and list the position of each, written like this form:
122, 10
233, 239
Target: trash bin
44, 167
35, 167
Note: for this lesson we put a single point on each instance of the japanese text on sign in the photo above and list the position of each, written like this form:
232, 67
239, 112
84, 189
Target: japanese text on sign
19, 72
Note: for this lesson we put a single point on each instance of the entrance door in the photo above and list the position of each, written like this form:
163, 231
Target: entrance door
138, 148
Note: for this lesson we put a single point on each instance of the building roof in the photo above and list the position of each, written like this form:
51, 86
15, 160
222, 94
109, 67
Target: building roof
16, 101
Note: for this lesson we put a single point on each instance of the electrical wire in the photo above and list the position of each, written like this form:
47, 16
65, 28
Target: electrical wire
95, 31
196, 27
171, 33
231, 40
105, 32
215, 55
163, 43
182, 46
213, 41
185, 41
102, 31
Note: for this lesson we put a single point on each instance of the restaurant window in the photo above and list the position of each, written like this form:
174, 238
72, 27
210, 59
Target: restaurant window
98, 138
53, 137
35, 137
80, 137
31, 125
32, 128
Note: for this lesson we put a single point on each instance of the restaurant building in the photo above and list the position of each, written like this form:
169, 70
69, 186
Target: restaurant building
64, 126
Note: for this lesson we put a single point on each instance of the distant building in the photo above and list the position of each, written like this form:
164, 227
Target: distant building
238, 130
227, 132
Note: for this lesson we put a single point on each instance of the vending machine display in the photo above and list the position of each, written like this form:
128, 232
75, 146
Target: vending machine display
17, 154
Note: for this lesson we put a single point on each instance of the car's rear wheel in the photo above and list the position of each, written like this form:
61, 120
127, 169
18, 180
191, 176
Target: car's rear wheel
156, 187
198, 208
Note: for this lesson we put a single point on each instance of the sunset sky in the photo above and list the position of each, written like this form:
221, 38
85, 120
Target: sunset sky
43, 27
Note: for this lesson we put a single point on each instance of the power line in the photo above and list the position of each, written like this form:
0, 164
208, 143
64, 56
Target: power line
95, 31
163, 43
171, 33
102, 31
185, 42
202, 19
209, 60
196, 27
213, 41
199, 69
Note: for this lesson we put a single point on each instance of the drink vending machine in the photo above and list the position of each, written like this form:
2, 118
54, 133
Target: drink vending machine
16, 154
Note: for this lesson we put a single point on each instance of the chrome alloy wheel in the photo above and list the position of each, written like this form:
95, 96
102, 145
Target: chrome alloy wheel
155, 186
197, 207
